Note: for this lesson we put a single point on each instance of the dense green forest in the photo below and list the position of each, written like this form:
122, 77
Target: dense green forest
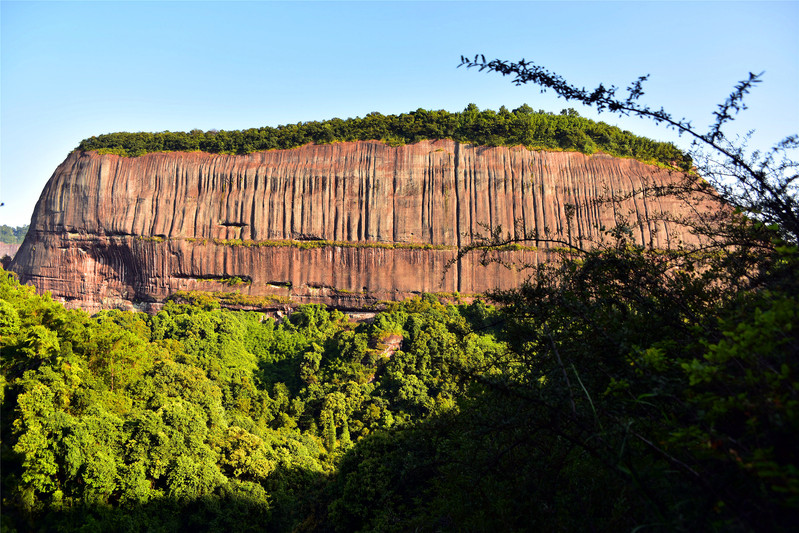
564, 409
204, 416
522, 126
13, 235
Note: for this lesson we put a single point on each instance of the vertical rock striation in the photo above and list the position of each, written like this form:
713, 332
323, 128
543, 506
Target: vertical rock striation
345, 224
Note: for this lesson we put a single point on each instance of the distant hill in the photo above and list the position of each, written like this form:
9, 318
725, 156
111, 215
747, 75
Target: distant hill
13, 235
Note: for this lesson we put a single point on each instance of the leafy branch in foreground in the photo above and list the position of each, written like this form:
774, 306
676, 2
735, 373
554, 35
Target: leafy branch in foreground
763, 185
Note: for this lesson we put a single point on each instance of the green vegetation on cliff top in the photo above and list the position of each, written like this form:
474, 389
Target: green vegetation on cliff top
536, 130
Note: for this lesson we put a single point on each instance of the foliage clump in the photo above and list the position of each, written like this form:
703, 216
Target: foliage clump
618, 388
13, 235
523, 126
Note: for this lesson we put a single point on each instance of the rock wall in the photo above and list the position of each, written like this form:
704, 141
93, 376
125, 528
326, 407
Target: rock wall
7, 249
346, 224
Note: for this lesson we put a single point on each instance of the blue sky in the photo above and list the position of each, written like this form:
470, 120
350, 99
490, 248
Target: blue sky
70, 70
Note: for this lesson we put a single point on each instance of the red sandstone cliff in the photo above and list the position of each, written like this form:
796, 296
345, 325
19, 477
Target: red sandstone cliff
376, 222
7, 249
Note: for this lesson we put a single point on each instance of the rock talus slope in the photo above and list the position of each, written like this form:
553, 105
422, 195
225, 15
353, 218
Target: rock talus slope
345, 224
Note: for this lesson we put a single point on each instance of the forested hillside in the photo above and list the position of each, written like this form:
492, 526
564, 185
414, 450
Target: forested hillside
522, 126
208, 418
13, 235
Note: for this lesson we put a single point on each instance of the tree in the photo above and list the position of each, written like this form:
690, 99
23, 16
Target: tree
13, 235
674, 369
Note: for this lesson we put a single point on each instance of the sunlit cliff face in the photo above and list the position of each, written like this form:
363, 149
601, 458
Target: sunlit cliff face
346, 224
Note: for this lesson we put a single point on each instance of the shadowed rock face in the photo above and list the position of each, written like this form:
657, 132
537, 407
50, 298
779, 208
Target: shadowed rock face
345, 224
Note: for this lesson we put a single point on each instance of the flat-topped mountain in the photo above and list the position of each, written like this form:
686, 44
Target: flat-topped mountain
347, 224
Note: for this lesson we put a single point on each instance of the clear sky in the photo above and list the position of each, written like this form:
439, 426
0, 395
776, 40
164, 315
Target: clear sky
70, 70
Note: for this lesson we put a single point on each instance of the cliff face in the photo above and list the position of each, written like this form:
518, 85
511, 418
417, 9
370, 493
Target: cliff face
7, 249
344, 224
